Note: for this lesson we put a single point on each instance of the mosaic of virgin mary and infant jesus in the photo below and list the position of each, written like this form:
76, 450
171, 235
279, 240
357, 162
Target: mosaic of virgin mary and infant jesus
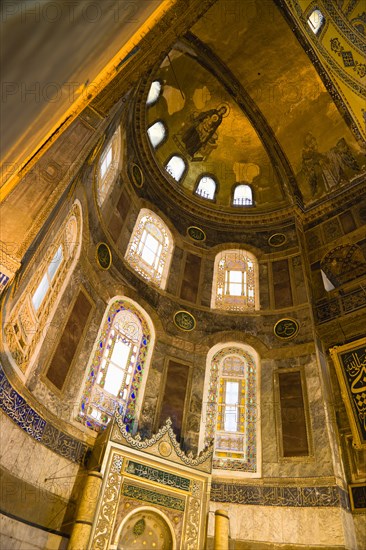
200, 138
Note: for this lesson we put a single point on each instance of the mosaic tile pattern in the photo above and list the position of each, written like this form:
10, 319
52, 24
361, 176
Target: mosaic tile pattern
280, 496
18, 410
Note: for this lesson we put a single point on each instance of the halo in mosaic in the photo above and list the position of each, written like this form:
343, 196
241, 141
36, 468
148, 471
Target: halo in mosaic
133, 330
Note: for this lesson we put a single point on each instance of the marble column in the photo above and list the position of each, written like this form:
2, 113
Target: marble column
221, 530
85, 515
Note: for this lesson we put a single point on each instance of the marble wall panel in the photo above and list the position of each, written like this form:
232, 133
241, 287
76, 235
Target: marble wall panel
283, 525
27, 459
15, 535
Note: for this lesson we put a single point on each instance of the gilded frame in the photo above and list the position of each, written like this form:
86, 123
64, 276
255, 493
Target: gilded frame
350, 363
355, 509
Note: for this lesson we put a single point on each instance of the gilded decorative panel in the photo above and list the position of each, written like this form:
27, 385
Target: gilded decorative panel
153, 474
279, 496
350, 364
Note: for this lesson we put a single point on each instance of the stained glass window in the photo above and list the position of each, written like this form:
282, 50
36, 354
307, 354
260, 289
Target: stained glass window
117, 367
31, 316
235, 285
243, 195
156, 133
150, 248
108, 166
154, 92
230, 411
316, 21
176, 167
206, 188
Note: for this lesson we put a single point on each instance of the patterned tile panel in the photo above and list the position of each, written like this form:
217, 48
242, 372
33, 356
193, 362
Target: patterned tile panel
153, 474
18, 410
280, 496
154, 497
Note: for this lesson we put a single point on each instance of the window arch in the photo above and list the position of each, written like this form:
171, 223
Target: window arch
29, 319
206, 188
243, 195
150, 249
154, 92
156, 133
231, 409
116, 375
108, 166
176, 167
316, 21
235, 284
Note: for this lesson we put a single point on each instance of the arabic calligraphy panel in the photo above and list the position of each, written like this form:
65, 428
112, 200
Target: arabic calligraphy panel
285, 329
350, 365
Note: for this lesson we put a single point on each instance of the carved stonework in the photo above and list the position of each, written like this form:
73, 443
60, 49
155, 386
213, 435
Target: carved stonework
108, 507
139, 487
153, 445
192, 529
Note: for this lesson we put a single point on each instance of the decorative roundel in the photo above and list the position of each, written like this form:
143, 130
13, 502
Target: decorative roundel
196, 233
184, 320
165, 449
137, 175
277, 239
104, 256
285, 329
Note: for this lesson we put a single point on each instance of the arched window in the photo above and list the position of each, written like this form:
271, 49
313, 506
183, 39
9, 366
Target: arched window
156, 133
176, 167
235, 285
154, 92
30, 318
316, 21
108, 166
150, 248
243, 195
117, 372
206, 188
231, 408
328, 286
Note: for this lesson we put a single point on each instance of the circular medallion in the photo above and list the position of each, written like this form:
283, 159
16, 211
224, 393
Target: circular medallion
285, 329
196, 233
277, 239
184, 320
165, 448
104, 256
137, 175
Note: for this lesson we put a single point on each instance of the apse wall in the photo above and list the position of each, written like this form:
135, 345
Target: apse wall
46, 448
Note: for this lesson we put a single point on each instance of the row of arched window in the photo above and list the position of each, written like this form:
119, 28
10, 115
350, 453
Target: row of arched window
206, 188
117, 373
150, 251
177, 167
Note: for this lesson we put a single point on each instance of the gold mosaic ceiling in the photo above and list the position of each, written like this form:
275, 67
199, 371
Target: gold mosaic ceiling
244, 77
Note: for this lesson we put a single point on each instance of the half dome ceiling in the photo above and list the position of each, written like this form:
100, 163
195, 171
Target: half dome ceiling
208, 130
243, 114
